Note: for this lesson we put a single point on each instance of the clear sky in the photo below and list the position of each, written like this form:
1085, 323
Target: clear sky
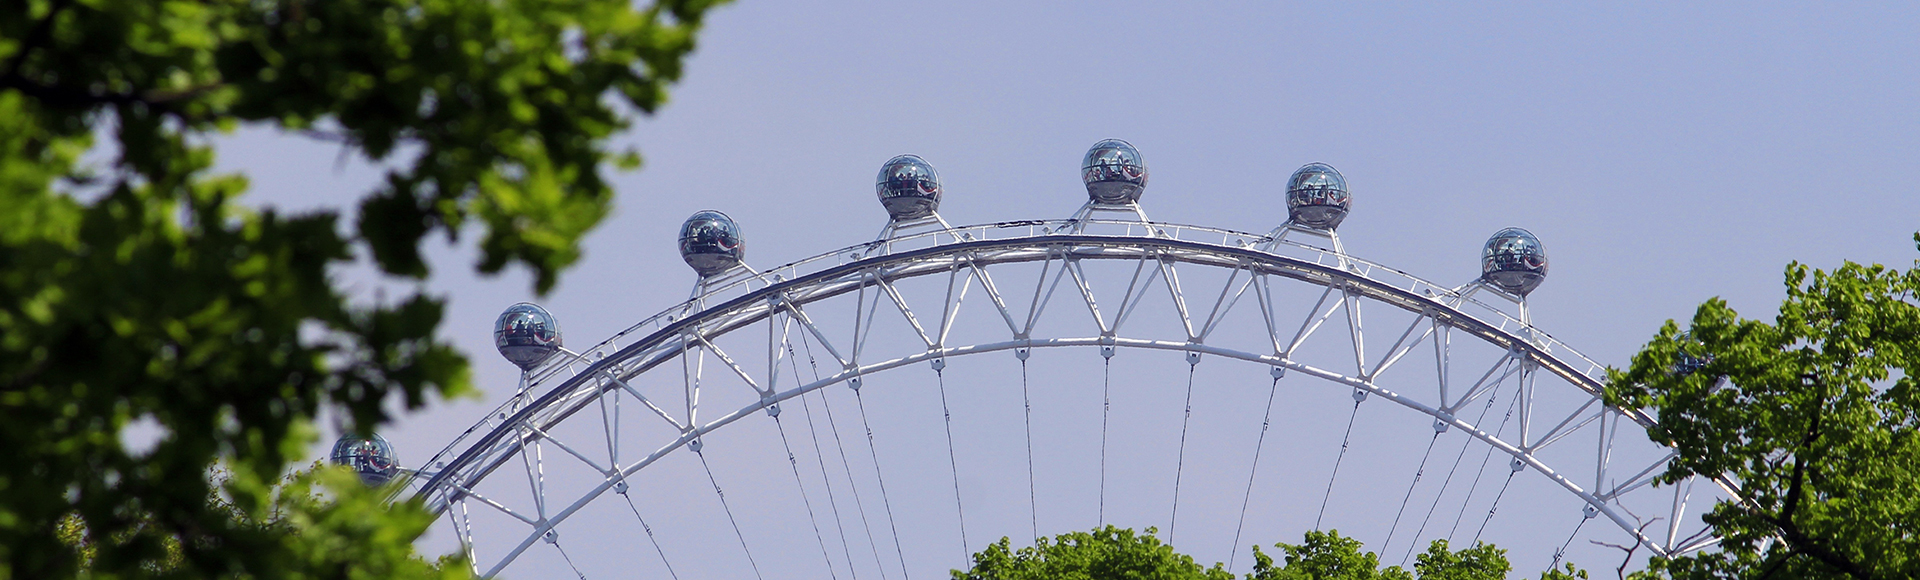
1663, 153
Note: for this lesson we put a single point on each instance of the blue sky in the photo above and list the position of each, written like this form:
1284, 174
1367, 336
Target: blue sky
1663, 153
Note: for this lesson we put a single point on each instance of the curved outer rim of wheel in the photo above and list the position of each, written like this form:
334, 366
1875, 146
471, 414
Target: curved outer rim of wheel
506, 437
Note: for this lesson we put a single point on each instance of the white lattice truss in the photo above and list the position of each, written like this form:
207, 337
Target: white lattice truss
682, 339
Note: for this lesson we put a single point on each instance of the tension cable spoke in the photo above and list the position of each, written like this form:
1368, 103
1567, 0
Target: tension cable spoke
1106, 406
1562, 552
729, 509
1258, 444
1496, 501
1359, 396
554, 538
1448, 482
621, 489
794, 464
1033, 503
806, 410
1484, 459
862, 403
1410, 487
1180, 461
847, 466
946, 414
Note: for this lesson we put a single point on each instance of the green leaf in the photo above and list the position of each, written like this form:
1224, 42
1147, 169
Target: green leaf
140, 286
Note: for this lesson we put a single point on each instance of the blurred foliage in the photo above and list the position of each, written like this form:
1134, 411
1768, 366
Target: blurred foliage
136, 289
1816, 417
320, 509
1110, 552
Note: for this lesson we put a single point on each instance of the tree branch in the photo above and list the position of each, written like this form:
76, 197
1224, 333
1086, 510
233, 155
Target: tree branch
1800, 458
1639, 540
1775, 566
1797, 539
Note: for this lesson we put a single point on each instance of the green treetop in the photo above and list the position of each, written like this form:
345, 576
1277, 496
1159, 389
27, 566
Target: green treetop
133, 285
1112, 553
1106, 552
1815, 416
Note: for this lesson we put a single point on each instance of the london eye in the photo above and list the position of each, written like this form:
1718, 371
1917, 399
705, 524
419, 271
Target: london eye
863, 381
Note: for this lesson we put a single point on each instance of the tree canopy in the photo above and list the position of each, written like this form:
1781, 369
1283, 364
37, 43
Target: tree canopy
1815, 416
1105, 552
135, 287
1109, 553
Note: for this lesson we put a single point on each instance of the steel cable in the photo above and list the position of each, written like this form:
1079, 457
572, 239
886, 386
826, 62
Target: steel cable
1261, 442
649, 530
1180, 462
1410, 487
1448, 482
563, 554
794, 464
847, 466
1496, 504
1033, 503
1345, 440
1562, 552
1484, 459
952, 462
1106, 407
884, 500
1516, 466
730, 519
806, 410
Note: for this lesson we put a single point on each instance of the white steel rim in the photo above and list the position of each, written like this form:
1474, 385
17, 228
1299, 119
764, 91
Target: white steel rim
739, 298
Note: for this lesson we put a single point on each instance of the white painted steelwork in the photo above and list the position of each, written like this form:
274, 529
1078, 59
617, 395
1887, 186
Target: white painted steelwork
682, 340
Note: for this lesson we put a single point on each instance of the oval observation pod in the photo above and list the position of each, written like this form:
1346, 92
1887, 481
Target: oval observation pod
1114, 172
1684, 362
373, 459
1317, 196
908, 187
1514, 261
526, 334
710, 242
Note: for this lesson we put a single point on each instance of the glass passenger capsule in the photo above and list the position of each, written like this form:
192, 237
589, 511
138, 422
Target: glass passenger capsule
908, 187
1114, 172
1514, 261
710, 242
526, 334
1684, 362
373, 459
1317, 196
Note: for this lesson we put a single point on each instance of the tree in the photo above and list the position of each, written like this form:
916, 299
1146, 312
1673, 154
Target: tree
1325, 556
1814, 416
297, 507
1105, 552
1110, 552
1330, 556
135, 287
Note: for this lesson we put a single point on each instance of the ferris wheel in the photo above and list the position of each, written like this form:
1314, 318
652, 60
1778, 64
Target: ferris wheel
845, 414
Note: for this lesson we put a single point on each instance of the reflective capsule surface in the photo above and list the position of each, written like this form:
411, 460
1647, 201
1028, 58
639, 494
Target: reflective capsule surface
908, 187
1684, 362
373, 459
1317, 196
1514, 261
710, 242
1114, 172
526, 334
